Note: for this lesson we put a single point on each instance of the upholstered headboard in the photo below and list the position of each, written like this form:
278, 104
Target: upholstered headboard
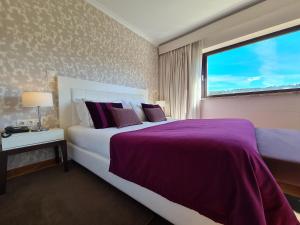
70, 89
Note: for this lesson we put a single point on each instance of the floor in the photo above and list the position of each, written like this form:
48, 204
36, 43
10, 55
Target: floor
52, 197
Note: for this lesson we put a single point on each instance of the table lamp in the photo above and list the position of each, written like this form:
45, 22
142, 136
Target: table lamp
37, 99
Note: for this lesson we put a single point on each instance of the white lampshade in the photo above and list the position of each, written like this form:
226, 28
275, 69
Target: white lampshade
161, 103
34, 99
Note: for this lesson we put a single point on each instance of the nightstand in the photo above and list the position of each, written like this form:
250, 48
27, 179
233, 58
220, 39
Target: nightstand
30, 141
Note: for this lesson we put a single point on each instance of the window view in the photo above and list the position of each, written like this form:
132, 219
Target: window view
270, 64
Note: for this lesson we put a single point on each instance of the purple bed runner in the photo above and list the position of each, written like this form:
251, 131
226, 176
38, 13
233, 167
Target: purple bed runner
211, 166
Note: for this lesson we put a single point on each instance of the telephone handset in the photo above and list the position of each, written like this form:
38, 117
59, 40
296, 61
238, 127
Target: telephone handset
8, 131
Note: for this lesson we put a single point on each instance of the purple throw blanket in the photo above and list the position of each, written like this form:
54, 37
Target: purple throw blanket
211, 166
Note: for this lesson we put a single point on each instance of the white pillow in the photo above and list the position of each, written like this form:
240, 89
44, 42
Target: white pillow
126, 104
83, 113
137, 107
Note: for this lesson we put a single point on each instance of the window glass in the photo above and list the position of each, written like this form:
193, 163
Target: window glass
266, 65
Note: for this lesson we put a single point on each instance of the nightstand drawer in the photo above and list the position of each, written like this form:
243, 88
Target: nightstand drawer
31, 138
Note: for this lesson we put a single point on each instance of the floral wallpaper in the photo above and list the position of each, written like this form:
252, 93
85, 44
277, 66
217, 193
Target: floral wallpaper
74, 39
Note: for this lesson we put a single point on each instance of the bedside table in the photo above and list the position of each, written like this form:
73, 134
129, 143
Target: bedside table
30, 141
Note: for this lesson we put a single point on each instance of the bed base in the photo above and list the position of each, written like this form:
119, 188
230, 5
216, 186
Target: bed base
173, 212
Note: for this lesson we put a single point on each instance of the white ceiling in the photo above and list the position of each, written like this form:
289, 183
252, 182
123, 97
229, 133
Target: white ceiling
159, 21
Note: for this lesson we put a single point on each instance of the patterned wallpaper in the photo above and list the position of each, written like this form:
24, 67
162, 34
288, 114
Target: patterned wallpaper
72, 38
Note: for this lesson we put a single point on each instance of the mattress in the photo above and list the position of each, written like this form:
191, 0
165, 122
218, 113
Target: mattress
98, 140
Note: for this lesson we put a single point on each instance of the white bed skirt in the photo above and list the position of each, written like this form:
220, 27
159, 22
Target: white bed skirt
173, 212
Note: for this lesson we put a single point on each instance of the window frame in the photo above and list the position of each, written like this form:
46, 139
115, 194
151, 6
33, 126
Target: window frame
241, 44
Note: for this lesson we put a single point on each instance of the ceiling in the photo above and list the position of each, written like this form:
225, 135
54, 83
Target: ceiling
159, 21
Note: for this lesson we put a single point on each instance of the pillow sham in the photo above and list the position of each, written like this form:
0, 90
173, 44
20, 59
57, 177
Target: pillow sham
137, 107
101, 114
125, 117
155, 114
147, 106
83, 113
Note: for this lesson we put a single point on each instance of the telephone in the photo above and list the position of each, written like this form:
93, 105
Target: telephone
8, 131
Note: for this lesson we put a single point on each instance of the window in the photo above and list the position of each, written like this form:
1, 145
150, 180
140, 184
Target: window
266, 64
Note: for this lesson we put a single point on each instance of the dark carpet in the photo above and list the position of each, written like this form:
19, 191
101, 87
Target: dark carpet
78, 197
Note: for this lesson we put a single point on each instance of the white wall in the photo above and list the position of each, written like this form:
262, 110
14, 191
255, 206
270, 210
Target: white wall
272, 111
266, 15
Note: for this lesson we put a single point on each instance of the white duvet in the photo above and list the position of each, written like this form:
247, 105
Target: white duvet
98, 140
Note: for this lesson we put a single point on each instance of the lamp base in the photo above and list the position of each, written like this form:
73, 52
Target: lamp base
39, 124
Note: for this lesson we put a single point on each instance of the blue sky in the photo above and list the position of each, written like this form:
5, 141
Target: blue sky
272, 62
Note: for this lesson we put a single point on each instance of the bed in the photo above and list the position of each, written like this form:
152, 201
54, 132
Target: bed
82, 142
70, 89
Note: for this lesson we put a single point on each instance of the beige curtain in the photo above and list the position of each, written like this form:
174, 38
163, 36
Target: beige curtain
180, 81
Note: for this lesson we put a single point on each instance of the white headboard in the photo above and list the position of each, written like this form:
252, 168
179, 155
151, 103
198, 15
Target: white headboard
70, 89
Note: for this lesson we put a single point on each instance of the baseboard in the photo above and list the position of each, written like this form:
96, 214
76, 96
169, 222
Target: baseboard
30, 168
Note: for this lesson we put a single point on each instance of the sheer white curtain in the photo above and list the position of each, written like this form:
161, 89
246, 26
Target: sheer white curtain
180, 81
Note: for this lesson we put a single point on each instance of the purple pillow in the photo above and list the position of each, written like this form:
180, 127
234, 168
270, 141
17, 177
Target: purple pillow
125, 117
155, 114
144, 105
147, 106
101, 114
